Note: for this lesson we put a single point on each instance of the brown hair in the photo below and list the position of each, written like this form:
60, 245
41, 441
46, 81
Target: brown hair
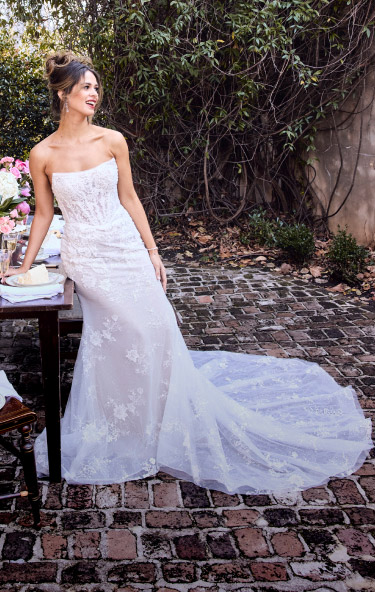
64, 70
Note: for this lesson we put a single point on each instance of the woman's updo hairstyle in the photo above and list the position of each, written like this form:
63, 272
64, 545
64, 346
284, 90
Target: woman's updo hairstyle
63, 71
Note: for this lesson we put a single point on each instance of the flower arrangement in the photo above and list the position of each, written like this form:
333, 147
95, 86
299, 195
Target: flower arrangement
14, 188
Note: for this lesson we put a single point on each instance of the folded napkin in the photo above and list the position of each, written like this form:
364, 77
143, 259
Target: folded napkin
14, 294
52, 244
6, 388
19, 228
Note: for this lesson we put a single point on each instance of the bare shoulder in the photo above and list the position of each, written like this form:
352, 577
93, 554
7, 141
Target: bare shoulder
115, 141
39, 154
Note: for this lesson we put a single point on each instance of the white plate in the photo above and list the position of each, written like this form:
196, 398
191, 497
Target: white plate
53, 278
2, 400
41, 256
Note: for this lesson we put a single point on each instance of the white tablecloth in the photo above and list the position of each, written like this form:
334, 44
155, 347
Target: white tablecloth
6, 388
14, 294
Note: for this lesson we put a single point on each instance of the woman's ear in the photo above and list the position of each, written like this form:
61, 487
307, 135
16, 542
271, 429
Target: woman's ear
61, 95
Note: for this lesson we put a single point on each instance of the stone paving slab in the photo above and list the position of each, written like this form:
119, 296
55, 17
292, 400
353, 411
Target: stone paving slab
164, 535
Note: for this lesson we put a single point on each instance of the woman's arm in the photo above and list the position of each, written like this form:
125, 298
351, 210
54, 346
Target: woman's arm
130, 200
43, 211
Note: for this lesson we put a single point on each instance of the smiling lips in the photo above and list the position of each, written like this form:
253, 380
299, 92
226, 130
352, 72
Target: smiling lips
91, 104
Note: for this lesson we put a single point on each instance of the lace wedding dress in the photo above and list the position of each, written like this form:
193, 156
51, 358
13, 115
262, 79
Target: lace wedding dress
142, 402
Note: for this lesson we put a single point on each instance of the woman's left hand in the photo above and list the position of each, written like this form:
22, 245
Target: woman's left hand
160, 272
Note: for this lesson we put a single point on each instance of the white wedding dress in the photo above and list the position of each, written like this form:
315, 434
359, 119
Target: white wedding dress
142, 402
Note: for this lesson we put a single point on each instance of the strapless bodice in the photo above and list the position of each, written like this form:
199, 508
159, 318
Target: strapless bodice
96, 223
89, 196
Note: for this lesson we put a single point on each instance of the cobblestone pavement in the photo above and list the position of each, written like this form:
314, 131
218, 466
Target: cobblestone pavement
162, 534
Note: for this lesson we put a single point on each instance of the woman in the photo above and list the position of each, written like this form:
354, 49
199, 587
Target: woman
140, 401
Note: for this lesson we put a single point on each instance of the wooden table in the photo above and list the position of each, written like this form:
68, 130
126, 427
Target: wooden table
46, 310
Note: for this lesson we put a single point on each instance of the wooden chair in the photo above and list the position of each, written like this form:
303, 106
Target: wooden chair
15, 415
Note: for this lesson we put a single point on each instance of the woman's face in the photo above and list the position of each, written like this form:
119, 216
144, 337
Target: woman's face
84, 95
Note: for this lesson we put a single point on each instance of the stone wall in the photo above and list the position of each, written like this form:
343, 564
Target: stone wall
356, 134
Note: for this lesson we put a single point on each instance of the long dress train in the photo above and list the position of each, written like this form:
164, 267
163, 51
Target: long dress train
142, 402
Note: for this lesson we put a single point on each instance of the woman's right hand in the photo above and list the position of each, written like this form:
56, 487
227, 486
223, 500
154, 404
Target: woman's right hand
13, 271
16, 270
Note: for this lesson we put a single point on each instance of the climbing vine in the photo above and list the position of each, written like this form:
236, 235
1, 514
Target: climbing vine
220, 100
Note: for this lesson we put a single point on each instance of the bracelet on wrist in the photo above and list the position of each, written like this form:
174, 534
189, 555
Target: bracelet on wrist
152, 249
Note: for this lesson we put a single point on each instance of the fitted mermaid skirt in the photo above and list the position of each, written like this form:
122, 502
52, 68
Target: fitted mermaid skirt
142, 402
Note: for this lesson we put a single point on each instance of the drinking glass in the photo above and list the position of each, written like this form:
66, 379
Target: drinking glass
5, 257
10, 241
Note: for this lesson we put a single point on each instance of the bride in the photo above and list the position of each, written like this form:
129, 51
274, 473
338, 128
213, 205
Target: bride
140, 401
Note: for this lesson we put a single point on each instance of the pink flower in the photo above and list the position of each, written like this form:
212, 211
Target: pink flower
6, 224
23, 207
22, 166
13, 213
6, 159
25, 191
5, 228
15, 172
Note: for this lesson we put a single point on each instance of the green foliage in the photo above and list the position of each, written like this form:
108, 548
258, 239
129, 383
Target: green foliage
24, 102
261, 229
12, 201
347, 258
297, 241
214, 97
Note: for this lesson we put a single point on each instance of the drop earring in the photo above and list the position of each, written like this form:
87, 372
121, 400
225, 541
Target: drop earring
66, 106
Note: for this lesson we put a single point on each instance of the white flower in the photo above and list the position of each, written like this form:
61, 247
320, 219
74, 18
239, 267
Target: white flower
91, 433
8, 186
132, 355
